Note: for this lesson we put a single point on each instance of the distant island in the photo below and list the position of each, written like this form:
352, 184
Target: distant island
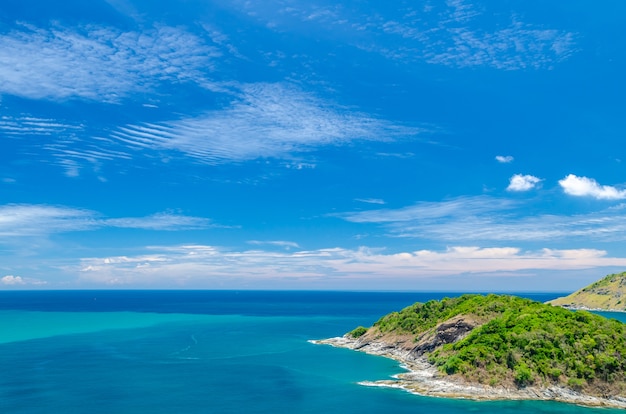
608, 293
500, 347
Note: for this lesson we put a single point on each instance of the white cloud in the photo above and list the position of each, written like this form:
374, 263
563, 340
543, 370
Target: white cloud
13, 280
24, 220
98, 63
588, 187
486, 218
519, 182
504, 159
267, 120
210, 265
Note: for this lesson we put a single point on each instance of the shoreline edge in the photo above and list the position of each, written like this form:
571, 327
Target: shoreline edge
423, 378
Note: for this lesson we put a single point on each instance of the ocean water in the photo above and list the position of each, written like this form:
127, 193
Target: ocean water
207, 352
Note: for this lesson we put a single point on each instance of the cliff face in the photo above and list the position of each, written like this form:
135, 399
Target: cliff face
447, 332
608, 293
412, 346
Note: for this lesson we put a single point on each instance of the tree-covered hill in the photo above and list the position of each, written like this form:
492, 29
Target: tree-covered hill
511, 341
608, 293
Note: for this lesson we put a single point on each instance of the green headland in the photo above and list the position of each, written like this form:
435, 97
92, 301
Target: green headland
608, 293
502, 347
507, 340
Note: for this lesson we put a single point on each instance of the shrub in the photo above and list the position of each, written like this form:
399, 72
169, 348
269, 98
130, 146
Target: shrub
523, 375
576, 383
555, 373
358, 332
452, 365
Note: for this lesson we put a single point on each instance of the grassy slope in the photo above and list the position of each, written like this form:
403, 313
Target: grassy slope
607, 293
520, 342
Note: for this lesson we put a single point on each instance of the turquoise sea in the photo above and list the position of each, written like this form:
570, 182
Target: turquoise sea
207, 352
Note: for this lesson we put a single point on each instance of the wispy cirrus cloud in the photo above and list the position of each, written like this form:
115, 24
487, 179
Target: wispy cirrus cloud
17, 220
160, 222
468, 206
264, 121
278, 243
29, 126
73, 153
458, 40
42, 63
588, 187
371, 200
197, 265
519, 46
455, 33
521, 182
68, 142
27, 220
484, 218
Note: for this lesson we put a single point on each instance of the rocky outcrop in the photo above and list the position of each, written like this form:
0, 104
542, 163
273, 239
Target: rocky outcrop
447, 332
411, 347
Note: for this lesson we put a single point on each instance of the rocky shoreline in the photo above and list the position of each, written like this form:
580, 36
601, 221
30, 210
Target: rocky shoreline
585, 308
423, 378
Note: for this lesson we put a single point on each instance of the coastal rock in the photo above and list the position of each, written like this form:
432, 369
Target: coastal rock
423, 378
445, 333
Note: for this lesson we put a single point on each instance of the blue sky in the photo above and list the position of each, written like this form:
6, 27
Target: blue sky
434, 145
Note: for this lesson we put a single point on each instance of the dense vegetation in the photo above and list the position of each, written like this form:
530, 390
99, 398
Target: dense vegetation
421, 317
520, 341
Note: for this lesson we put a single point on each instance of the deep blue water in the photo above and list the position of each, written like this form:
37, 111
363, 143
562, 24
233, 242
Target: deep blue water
206, 352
